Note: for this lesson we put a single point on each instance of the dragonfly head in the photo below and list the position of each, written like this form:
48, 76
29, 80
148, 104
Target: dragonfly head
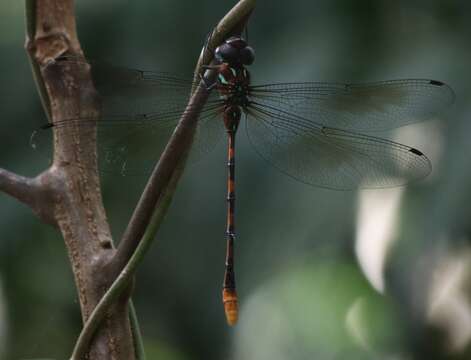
235, 51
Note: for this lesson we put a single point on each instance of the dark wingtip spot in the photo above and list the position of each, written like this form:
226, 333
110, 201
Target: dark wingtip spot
416, 152
436, 82
46, 126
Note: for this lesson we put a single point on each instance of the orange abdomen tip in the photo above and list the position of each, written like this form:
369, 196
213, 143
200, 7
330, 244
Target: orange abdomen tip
231, 305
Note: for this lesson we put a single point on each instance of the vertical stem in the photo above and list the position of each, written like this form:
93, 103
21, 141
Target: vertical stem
76, 204
136, 333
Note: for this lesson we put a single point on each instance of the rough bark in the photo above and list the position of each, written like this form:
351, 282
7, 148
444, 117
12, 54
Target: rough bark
74, 191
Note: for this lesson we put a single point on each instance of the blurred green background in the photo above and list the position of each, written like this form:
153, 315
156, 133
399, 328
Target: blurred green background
321, 274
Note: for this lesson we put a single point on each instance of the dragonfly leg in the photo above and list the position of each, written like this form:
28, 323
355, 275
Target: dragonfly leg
209, 87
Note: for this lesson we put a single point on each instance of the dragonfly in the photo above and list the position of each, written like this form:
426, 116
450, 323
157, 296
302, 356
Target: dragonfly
314, 132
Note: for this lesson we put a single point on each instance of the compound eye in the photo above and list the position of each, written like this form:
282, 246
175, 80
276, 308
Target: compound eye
226, 53
247, 55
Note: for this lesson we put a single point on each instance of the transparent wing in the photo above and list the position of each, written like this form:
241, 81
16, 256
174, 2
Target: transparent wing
365, 107
330, 157
139, 111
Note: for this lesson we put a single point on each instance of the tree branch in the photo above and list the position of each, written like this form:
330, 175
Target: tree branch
19, 187
76, 203
33, 192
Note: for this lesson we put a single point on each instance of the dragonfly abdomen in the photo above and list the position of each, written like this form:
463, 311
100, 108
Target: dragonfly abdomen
229, 294
231, 115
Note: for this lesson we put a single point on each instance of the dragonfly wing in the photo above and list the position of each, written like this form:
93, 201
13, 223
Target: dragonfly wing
208, 135
365, 107
330, 157
130, 146
134, 92
139, 111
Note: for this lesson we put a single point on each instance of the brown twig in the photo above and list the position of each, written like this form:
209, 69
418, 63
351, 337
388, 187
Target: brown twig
33, 192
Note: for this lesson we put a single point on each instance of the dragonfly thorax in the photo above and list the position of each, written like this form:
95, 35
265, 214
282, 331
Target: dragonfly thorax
233, 84
233, 81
